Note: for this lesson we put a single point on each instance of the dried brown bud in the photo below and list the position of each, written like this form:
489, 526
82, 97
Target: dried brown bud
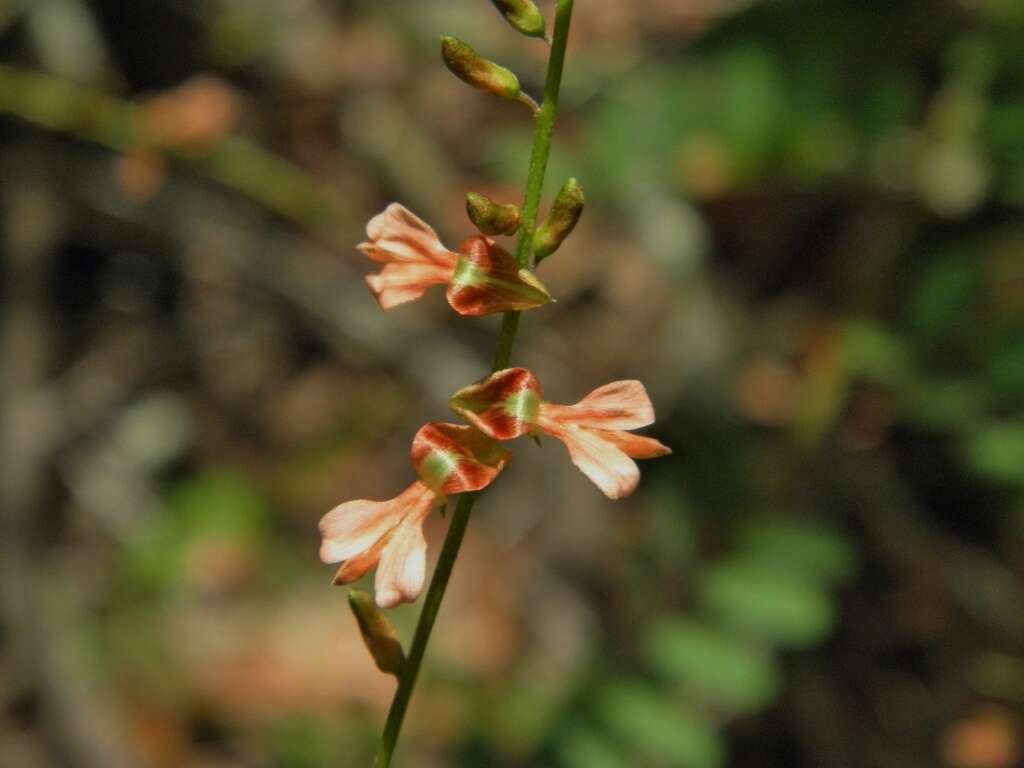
561, 220
471, 67
523, 15
378, 633
492, 218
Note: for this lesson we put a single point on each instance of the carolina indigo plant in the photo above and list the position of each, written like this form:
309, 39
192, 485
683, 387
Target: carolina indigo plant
482, 278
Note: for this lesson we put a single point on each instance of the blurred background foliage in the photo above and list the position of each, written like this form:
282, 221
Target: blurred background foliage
804, 232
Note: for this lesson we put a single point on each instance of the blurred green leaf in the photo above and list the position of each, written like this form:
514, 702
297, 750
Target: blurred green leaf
583, 748
712, 663
218, 506
752, 108
659, 728
1006, 364
221, 501
875, 353
946, 403
996, 451
947, 290
801, 548
521, 715
300, 742
778, 607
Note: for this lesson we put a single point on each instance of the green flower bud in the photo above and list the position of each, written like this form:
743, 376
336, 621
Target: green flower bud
523, 15
378, 633
492, 218
561, 220
471, 67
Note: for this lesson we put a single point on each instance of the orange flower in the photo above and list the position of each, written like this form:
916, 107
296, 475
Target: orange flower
510, 403
388, 535
482, 277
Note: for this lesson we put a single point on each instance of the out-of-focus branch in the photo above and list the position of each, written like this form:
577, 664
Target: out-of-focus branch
235, 162
67, 724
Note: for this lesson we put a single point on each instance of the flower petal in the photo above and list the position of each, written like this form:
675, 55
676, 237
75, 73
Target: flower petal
403, 564
398, 235
401, 283
359, 565
601, 460
487, 280
503, 406
354, 527
453, 458
619, 405
635, 446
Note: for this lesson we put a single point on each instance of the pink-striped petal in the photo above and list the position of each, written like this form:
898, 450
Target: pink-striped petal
602, 461
354, 527
403, 564
401, 283
398, 235
619, 405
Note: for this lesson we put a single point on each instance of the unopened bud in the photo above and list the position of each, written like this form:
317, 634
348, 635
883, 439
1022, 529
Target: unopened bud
471, 67
523, 15
492, 218
378, 633
561, 220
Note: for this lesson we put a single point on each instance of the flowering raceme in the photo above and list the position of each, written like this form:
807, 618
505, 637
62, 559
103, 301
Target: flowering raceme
510, 403
361, 534
482, 277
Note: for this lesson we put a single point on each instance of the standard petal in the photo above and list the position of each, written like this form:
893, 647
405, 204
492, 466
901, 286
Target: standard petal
502, 406
619, 405
401, 283
403, 564
609, 468
635, 446
352, 528
487, 280
398, 235
454, 458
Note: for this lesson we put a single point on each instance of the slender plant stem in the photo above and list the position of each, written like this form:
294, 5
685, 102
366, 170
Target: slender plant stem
543, 130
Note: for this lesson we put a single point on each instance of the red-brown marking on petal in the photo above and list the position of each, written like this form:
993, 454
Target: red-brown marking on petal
359, 565
635, 446
453, 458
487, 281
484, 404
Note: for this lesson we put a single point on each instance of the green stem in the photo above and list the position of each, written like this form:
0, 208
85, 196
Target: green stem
543, 130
